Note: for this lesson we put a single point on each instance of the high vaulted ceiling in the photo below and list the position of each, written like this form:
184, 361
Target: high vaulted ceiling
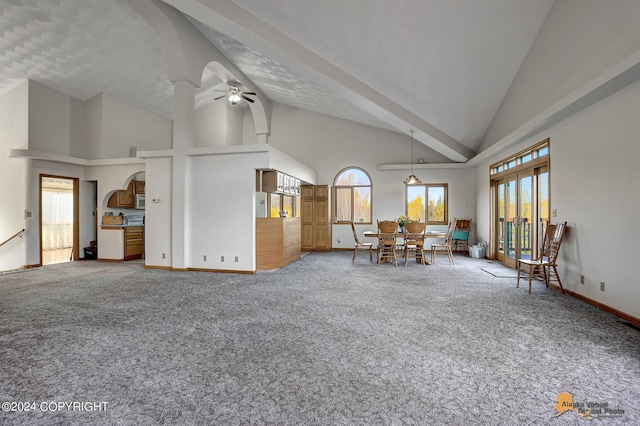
441, 67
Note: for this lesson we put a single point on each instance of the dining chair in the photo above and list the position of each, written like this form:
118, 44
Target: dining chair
460, 239
446, 245
545, 265
359, 245
388, 241
414, 242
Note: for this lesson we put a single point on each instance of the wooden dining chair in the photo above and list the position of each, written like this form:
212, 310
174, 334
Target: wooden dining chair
359, 245
545, 265
446, 245
414, 242
388, 241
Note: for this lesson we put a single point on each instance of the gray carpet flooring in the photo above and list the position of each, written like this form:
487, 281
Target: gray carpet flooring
323, 341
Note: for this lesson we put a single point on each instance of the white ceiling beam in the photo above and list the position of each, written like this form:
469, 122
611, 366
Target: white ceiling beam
228, 18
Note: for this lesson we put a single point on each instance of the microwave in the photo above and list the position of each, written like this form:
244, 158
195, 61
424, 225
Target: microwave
140, 201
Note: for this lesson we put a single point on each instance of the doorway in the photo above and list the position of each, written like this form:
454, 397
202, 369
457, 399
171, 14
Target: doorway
520, 205
58, 219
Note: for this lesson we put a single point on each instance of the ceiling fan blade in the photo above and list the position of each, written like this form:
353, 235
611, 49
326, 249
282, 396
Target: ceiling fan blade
220, 97
216, 90
248, 93
247, 99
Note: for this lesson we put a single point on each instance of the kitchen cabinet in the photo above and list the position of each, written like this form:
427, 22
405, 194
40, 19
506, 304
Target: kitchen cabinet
315, 216
277, 182
133, 242
139, 186
126, 198
123, 198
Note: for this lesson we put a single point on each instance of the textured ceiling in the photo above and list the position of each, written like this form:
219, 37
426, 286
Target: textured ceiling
84, 47
283, 86
449, 63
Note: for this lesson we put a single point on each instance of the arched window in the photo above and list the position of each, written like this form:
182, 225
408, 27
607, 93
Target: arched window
352, 196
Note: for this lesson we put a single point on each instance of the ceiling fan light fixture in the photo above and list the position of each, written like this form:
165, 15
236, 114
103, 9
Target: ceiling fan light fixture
234, 94
412, 179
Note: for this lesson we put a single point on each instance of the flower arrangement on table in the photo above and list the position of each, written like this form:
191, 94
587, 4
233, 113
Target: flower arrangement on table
402, 219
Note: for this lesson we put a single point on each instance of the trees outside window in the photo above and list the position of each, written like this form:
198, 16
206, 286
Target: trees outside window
283, 203
352, 196
427, 203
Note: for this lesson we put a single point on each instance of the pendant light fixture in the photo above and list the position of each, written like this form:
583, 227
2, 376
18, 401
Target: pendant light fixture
412, 179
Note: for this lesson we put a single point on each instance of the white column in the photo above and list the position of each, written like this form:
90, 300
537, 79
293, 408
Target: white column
183, 138
263, 138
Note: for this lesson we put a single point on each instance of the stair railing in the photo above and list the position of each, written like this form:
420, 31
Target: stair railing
16, 235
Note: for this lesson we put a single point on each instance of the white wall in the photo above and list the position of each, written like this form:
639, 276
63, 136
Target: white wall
594, 181
219, 124
49, 120
210, 124
158, 173
125, 126
235, 115
14, 130
222, 211
86, 127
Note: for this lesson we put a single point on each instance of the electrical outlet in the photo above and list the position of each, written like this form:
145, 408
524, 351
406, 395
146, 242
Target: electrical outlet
602, 286
581, 279
164, 255
221, 258
236, 259
554, 213
204, 257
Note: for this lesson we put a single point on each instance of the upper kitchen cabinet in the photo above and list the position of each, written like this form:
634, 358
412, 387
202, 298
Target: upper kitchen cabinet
139, 186
126, 198
123, 198
277, 182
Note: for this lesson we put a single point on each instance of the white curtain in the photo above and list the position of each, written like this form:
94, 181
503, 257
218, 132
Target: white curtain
57, 219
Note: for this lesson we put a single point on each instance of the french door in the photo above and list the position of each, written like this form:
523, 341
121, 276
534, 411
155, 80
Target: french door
521, 209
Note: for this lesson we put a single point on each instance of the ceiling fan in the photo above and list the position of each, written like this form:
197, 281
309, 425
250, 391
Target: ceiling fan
235, 95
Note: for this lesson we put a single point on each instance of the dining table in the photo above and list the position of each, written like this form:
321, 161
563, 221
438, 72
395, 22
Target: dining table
428, 234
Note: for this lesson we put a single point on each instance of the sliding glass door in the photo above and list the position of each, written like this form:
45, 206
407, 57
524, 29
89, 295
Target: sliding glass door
520, 197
